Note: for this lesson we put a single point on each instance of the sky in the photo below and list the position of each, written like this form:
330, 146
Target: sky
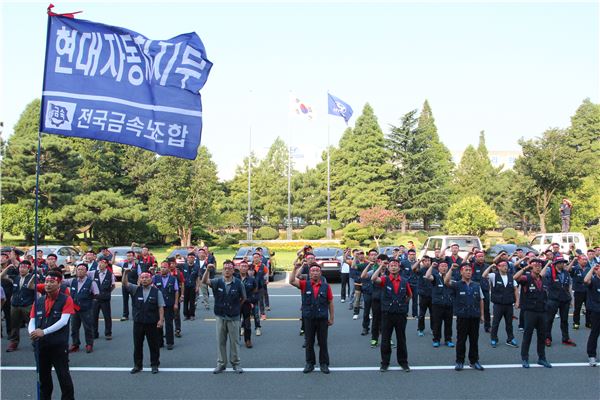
512, 69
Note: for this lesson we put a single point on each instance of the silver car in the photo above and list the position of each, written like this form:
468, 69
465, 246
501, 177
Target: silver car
67, 256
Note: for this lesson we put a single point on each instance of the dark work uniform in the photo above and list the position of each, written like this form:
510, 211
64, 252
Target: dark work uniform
367, 294
503, 298
136, 269
83, 300
441, 308
396, 293
578, 272
485, 288
52, 348
169, 292
467, 309
102, 302
407, 273
559, 299
250, 285
593, 304
145, 317
21, 301
425, 303
315, 313
533, 302
7, 285
190, 275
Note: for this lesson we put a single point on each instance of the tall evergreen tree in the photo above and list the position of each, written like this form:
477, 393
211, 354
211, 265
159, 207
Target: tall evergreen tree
423, 167
361, 171
584, 136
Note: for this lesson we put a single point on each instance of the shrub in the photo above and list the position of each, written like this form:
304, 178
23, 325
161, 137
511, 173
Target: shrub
226, 241
267, 233
422, 235
335, 224
312, 232
355, 231
510, 235
351, 243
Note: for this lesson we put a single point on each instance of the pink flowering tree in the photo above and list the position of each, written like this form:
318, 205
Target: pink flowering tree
378, 219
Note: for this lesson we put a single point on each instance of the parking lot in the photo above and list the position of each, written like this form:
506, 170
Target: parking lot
273, 367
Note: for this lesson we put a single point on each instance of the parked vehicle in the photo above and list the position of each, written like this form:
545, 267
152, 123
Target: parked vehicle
119, 257
67, 256
247, 252
180, 254
542, 241
465, 244
493, 251
387, 250
329, 260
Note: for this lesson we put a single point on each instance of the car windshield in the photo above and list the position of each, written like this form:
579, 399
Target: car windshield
45, 250
249, 251
325, 252
464, 244
123, 250
181, 252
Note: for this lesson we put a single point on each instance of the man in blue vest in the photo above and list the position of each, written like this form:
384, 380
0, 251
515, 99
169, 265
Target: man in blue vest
169, 287
135, 268
148, 319
479, 265
592, 281
367, 291
90, 260
406, 270
317, 313
190, 271
83, 290
230, 294
504, 295
105, 280
21, 301
49, 327
578, 272
251, 302
533, 301
395, 295
441, 303
468, 308
419, 269
558, 282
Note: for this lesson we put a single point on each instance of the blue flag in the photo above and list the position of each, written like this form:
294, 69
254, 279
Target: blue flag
339, 107
108, 83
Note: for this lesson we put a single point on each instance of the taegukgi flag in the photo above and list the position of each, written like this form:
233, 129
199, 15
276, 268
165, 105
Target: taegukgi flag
109, 83
339, 107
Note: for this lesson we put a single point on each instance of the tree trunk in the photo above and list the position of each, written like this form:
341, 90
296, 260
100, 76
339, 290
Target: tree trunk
425, 223
542, 216
376, 238
185, 236
403, 226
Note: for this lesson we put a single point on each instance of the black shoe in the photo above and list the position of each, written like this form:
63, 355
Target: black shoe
161, 345
384, 368
169, 347
365, 332
155, 370
135, 370
237, 369
96, 336
218, 370
308, 368
476, 366
124, 319
324, 368
177, 333
304, 345
487, 330
459, 366
405, 367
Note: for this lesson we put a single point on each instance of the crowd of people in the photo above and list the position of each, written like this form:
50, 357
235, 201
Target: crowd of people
383, 287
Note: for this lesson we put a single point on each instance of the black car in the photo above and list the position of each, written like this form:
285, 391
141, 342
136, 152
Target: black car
493, 251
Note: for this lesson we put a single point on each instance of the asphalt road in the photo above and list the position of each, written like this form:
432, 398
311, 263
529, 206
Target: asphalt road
273, 367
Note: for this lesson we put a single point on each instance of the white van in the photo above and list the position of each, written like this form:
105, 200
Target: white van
465, 245
542, 241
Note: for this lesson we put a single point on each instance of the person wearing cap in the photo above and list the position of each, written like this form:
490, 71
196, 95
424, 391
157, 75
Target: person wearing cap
251, 287
504, 295
468, 308
83, 290
105, 280
395, 295
169, 287
406, 270
592, 282
229, 294
317, 313
21, 300
148, 319
420, 268
558, 283
135, 269
578, 271
191, 273
533, 302
49, 329
441, 303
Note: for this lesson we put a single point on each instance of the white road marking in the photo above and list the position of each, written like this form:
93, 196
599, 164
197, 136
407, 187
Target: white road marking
293, 369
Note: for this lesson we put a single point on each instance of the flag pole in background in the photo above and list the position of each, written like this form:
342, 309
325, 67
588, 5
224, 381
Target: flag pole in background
337, 107
249, 215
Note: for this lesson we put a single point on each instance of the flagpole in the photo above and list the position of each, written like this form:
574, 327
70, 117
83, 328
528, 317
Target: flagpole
249, 215
329, 232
